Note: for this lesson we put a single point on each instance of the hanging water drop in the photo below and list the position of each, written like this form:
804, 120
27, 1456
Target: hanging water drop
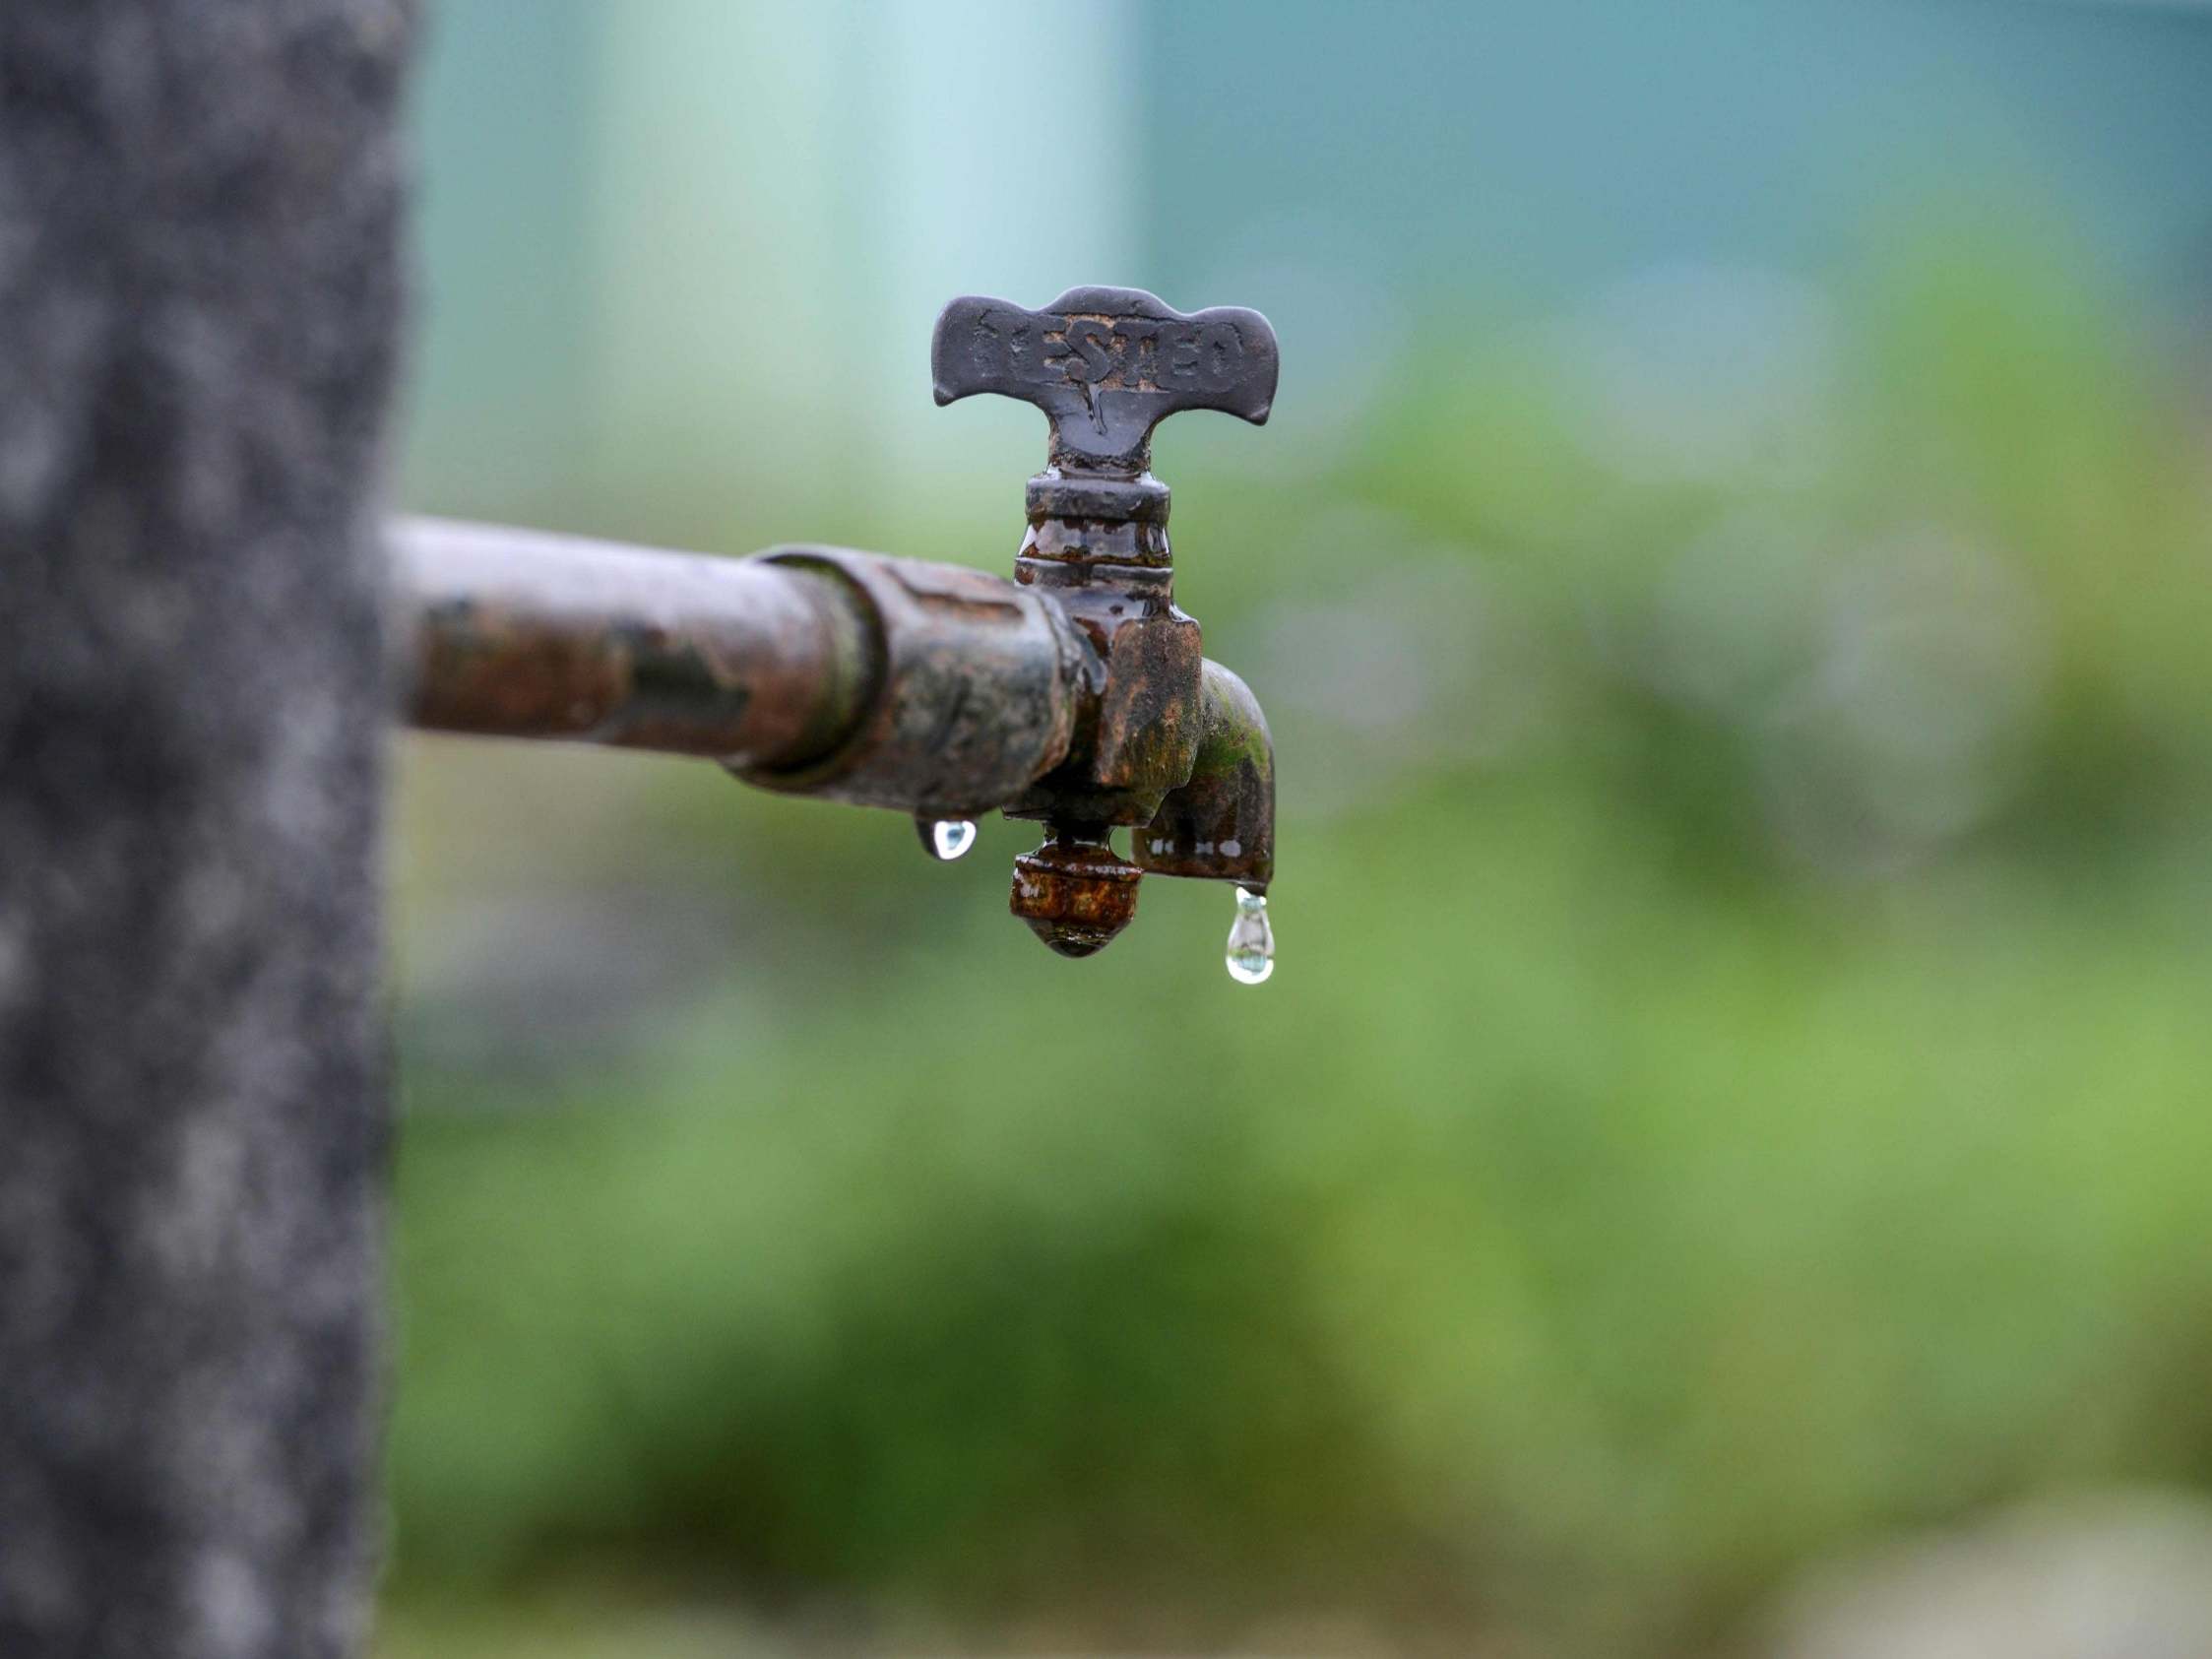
945, 839
1251, 942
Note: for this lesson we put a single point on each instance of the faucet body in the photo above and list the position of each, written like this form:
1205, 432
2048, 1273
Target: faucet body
1077, 694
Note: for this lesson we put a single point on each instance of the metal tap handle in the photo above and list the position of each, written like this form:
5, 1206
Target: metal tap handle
1106, 365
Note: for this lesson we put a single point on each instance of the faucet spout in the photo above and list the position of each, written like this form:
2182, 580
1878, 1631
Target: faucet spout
1219, 825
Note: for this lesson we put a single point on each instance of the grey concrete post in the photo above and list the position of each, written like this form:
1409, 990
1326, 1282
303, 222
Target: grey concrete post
199, 204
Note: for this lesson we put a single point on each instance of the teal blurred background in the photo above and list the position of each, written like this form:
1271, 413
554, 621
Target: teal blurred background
1731, 577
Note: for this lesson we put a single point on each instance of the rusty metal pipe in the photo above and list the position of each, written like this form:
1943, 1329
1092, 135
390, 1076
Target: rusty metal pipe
518, 633
928, 688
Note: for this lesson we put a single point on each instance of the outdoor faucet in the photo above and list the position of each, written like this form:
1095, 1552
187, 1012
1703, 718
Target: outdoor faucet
1076, 694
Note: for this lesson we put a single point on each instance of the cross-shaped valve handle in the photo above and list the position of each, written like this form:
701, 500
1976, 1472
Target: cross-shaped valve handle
1106, 365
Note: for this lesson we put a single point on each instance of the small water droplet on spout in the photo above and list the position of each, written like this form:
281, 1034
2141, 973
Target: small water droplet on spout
945, 839
1251, 940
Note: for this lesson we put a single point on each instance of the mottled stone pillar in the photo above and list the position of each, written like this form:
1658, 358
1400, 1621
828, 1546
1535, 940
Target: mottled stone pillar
200, 210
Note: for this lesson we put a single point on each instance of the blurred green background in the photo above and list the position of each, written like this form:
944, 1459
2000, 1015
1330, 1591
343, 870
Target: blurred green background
1731, 577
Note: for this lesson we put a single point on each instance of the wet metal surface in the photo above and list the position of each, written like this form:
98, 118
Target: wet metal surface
977, 692
1076, 693
1074, 893
1219, 825
1169, 746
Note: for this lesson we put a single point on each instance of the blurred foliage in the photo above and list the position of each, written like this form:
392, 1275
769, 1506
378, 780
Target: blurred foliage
1736, 1079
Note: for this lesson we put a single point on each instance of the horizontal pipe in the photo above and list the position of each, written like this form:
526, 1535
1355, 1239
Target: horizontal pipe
518, 633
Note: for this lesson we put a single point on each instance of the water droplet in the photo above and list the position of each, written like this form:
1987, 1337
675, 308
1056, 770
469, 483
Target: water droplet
945, 839
1251, 942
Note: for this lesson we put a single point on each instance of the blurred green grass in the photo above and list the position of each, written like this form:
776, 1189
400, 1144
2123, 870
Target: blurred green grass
1608, 1206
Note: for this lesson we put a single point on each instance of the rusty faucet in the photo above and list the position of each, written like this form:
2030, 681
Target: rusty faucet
1076, 694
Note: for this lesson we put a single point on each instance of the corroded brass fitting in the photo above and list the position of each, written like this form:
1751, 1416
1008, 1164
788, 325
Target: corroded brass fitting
975, 687
1073, 892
